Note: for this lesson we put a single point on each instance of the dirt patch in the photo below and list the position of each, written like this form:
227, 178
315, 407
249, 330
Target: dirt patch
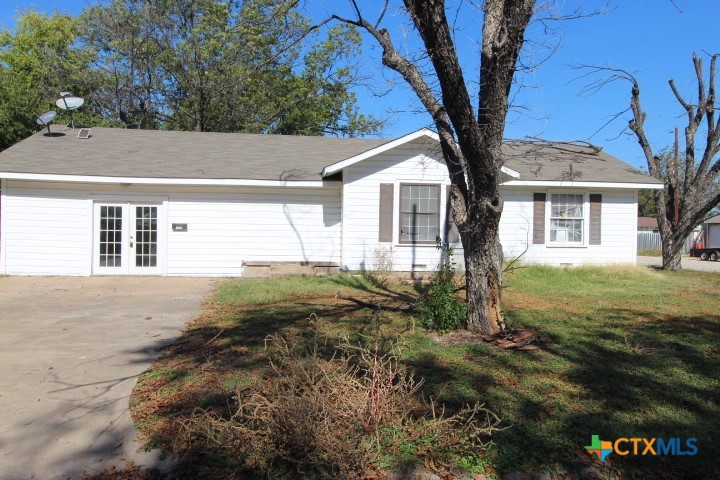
129, 472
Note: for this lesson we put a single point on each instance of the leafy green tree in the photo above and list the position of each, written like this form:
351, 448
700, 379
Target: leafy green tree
646, 204
37, 61
318, 100
123, 77
237, 66
251, 66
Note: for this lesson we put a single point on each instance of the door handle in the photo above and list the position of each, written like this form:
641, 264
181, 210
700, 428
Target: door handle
131, 242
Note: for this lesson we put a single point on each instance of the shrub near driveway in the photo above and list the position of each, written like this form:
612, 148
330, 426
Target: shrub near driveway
624, 353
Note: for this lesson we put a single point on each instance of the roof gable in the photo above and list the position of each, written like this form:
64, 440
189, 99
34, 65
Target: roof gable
534, 162
537, 162
410, 137
405, 139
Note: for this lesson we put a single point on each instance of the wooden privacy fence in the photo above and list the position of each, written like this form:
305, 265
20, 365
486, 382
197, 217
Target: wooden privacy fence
652, 241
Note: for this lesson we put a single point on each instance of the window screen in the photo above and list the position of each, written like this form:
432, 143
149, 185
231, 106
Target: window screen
419, 213
566, 218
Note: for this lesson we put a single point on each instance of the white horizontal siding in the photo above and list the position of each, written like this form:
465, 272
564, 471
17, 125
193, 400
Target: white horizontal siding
47, 232
256, 224
49, 226
618, 233
411, 163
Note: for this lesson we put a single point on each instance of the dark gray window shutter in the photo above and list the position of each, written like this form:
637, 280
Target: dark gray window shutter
452, 235
539, 218
595, 218
386, 213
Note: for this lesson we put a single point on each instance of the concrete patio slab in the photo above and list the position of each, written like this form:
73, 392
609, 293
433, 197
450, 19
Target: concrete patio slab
70, 353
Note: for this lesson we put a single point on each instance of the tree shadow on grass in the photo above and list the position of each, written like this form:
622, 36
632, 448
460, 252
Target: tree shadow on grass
386, 293
622, 377
454, 387
656, 378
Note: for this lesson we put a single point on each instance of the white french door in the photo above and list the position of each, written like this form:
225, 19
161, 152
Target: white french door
126, 239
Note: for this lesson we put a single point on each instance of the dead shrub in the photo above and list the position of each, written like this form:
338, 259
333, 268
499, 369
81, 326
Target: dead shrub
349, 411
383, 266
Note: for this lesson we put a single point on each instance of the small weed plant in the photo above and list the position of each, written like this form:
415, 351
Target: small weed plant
441, 308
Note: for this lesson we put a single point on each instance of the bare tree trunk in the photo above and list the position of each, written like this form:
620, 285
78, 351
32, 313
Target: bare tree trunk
483, 275
685, 202
672, 253
471, 145
672, 243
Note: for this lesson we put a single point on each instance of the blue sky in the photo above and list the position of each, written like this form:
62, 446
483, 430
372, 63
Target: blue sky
654, 39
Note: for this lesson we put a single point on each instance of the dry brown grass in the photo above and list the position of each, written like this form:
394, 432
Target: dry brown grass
336, 411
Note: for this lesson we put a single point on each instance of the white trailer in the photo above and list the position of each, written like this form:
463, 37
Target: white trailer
707, 244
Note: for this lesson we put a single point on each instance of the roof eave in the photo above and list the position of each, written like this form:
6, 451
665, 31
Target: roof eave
168, 181
509, 172
573, 184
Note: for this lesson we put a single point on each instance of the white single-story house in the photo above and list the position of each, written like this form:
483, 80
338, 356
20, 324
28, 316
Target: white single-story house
185, 203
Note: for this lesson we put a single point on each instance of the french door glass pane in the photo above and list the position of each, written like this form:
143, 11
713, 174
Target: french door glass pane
146, 236
110, 236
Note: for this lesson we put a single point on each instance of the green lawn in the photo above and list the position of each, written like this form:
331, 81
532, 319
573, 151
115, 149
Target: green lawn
624, 352
650, 253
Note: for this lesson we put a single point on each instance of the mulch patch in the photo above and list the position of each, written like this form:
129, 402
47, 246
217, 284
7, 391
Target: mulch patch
521, 339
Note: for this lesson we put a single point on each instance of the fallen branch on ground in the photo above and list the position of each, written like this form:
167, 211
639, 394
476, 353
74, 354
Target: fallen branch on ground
519, 339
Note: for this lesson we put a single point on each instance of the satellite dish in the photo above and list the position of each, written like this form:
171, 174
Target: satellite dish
70, 103
46, 119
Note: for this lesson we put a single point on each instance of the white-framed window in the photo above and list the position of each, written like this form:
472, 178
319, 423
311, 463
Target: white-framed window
419, 213
567, 218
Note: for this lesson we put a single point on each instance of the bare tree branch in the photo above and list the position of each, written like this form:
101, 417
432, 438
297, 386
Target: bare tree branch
684, 202
409, 71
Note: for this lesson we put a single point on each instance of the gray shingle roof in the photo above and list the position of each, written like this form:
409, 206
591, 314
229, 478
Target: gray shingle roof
113, 152
567, 162
116, 152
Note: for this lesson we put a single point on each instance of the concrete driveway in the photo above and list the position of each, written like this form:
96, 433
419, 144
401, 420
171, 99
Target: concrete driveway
688, 263
70, 352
